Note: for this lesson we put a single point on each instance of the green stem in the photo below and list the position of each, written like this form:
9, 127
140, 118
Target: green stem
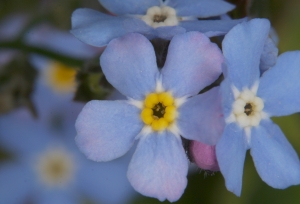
41, 51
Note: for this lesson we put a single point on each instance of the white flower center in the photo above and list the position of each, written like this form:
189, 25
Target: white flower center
247, 109
160, 16
55, 167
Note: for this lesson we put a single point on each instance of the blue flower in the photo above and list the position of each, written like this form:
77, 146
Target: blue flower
153, 18
159, 109
248, 103
47, 166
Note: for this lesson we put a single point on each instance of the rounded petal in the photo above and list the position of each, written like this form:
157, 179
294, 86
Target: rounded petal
97, 29
193, 62
129, 64
242, 48
201, 118
204, 156
210, 27
129, 6
200, 8
279, 86
159, 167
227, 95
106, 130
231, 152
275, 160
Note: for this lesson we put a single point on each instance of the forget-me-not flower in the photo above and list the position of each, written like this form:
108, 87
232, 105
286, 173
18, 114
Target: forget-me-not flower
248, 103
152, 18
158, 111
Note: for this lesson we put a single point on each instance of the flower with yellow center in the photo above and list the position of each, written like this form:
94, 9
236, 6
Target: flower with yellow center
60, 77
159, 110
162, 106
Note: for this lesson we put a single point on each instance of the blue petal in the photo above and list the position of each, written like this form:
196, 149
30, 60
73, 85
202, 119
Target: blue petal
129, 6
275, 160
200, 8
167, 32
227, 95
210, 27
279, 86
269, 55
193, 62
97, 29
231, 152
159, 167
16, 183
106, 182
129, 64
106, 129
242, 48
201, 117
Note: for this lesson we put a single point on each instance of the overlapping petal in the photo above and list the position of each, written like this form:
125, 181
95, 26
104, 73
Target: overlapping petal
106, 130
242, 48
129, 64
97, 29
193, 62
200, 8
231, 152
201, 118
279, 86
210, 27
129, 6
275, 160
159, 167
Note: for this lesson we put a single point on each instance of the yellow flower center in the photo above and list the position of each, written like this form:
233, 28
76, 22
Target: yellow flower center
61, 77
159, 110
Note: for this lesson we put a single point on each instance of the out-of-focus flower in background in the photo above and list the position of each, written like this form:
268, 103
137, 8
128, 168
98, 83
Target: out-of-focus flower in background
44, 164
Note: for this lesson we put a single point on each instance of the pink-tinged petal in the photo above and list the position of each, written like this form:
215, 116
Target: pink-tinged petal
193, 62
106, 130
159, 167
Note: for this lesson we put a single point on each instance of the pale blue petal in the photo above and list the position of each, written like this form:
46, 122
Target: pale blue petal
129, 6
167, 32
106, 129
242, 48
129, 64
275, 161
97, 29
201, 8
231, 152
269, 55
277, 134
58, 196
201, 117
210, 27
159, 167
106, 182
16, 183
227, 95
279, 86
193, 62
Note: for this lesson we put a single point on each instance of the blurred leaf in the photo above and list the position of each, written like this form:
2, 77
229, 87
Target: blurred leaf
16, 85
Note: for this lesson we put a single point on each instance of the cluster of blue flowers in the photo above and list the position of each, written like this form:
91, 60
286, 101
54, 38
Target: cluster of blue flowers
164, 105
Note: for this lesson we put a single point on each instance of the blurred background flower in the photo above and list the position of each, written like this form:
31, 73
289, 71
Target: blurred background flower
38, 111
